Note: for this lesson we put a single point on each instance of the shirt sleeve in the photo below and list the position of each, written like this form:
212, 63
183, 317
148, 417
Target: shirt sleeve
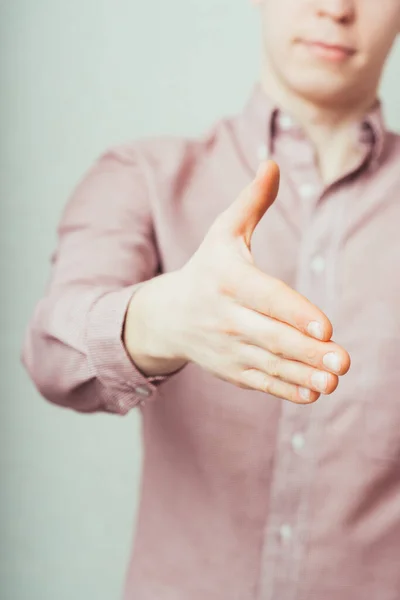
73, 348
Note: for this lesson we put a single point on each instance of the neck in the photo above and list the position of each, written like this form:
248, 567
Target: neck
331, 129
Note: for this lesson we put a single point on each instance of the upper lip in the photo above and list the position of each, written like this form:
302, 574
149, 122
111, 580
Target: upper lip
347, 49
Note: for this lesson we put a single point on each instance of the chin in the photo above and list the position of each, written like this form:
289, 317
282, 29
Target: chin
324, 89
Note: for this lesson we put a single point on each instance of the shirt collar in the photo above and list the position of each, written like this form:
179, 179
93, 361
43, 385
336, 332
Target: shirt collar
261, 121
374, 133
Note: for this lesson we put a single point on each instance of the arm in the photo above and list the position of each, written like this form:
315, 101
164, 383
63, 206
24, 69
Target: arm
73, 347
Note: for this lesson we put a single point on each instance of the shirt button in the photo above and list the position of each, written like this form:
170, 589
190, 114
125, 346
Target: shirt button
286, 532
307, 190
142, 390
285, 122
262, 152
318, 264
298, 442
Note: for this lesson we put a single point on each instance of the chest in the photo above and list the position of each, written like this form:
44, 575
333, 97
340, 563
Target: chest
341, 251
344, 256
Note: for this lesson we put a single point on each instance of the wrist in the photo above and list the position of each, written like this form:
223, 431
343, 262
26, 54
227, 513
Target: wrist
150, 327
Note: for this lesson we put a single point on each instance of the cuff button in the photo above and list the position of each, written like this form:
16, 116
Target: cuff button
142, 390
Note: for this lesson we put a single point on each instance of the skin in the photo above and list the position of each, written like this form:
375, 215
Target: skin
220, 311
292, 73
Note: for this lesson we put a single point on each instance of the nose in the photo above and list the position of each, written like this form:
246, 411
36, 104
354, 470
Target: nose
341, 11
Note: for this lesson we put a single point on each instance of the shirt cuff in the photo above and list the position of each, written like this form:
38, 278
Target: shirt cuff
125, 386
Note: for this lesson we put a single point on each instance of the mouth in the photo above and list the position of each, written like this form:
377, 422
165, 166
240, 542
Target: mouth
330, 52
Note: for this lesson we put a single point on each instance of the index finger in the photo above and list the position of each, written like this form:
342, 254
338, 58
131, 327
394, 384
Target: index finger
274, 298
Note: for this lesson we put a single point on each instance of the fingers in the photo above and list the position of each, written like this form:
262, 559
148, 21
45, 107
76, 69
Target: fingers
262, 382
272, 297
243, 215
289, 371
285, 341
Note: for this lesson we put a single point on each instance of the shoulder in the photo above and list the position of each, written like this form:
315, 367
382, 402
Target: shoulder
167, 156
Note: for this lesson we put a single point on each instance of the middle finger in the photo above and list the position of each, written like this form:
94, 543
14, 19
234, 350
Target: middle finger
286, 341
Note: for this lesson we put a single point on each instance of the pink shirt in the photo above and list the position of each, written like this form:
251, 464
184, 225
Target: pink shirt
244, 496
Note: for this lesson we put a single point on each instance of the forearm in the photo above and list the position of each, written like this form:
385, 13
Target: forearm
55, 350
74, 352
74, 348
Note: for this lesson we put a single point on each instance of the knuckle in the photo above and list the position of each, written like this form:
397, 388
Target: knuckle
229, 326
248, 379
273, 367
311, 353
275, 346
273, 337
268, 385
256, 380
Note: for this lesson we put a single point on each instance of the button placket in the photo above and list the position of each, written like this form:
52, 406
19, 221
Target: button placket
307, 191
282, 539
285, 122
318, 264
286, 533
294, 469
298, 442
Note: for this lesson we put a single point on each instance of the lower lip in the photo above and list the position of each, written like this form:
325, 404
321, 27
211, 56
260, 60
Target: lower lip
335, 55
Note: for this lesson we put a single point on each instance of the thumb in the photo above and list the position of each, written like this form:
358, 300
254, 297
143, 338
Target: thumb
244, 214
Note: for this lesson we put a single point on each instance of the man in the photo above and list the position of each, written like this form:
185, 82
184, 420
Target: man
181, 288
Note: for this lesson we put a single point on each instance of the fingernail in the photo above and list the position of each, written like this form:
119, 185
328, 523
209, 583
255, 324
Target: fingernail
320, 381
315, 329
332, 361
305, 393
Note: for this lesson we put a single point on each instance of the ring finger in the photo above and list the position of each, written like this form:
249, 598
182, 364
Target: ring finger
290, 371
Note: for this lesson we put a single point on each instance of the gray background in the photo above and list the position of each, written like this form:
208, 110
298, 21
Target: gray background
76, 77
